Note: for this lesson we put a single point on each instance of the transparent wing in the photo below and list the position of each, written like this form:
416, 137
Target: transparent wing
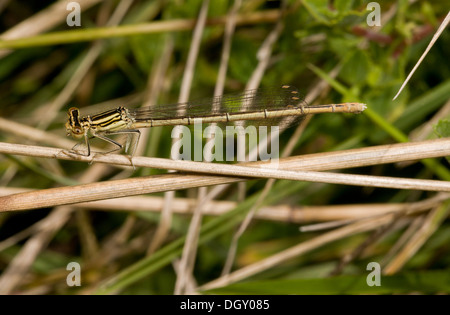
275, 98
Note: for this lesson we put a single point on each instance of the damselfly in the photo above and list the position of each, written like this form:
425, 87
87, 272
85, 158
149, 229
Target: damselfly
282, 106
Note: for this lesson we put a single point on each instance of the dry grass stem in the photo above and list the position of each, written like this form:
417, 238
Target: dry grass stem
46, 228
264, 55
318, 161
429, 226
413, 227
42, 21
267, 16
19, 266
299, 169
186, 264
297, 250
282, 213
218, 90
433, 40
25, 132
50, 111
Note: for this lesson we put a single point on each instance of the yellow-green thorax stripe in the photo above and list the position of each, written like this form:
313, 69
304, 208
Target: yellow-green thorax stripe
112, 120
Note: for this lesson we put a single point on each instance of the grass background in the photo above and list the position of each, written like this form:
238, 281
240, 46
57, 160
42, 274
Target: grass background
325, 48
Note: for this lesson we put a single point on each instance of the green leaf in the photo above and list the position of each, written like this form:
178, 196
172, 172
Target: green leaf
424, 105
356, 68
442, 129
343, 5
319, 10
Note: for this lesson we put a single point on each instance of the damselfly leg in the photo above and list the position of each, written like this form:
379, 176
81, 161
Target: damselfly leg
133, 136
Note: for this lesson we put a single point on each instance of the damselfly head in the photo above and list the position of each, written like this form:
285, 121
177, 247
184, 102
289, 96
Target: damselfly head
73, 125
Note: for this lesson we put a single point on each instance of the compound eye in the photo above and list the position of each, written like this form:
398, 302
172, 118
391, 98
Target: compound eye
72, 111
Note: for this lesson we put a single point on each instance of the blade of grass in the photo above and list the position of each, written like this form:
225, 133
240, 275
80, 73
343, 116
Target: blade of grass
433, 40
425, 282
74, 36
424, 106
